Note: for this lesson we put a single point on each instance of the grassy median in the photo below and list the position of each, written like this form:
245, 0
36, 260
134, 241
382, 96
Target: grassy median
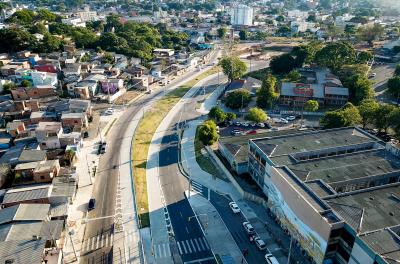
142, 139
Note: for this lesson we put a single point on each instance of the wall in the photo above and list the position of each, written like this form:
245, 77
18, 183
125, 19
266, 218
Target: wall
297, 215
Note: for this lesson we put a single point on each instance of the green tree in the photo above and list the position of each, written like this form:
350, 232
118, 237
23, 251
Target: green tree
348, 115
395, 122
45, 15
397, 70
113, 21
364, 56
367, 109
256, 115
305, 54
15, 39
39, 28
222, 32
283, 31
393, 86
108, 58
217, 114
382, 120
370, 33
280, 18
23, 17
311, 106
333, 119
243, 34
49, 44
111, 42
238, 99
267, 95
360, 88
233, 67
396, 49
335, 55
26, 83
230, 116
208, 132
293, 76
349, 71
282, 64
7, 87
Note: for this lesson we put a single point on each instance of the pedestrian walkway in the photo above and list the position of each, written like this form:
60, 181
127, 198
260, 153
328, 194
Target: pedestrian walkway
215, 229
87, 162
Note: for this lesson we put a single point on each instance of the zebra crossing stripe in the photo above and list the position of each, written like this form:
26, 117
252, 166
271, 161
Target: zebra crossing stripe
165, 251
194, 248
184, 247
168, 251
205, 242
97, 241
102, 241
197, 244
190, 250
111, 239
201, 244
106, 240
179, 247
159, 250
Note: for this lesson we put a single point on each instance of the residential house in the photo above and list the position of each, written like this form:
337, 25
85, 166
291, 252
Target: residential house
48, 135
74, 120
111, 86
250, 84
46, 170
32, 155
15, 127
35, 194
42, 116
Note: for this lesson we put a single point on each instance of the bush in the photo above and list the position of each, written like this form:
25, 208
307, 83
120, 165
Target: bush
208, 132
238, 99
256, 115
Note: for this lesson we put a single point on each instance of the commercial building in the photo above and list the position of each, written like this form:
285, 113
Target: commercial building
337, 192
317, 84
242, 15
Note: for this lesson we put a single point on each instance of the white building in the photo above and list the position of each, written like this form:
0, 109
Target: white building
44, 78
74, 21
242, 15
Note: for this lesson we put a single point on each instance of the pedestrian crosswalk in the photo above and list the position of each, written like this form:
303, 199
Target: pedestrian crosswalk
96, 242
197, 186
161, 250
131, 237
193, 245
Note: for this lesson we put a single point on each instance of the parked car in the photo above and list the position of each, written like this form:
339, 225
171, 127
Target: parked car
85, 134
245, 124
283, 121
372, 75
270, 259
102, 147
92, 204
267, 125
252, 132
261, 125
235, 208
235, 132
109, 111
260, 243
290, 118
249, 228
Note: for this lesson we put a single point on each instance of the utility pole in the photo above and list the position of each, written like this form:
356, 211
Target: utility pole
70, 233
290, 249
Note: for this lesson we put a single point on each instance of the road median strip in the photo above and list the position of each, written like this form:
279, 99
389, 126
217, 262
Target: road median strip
143, 136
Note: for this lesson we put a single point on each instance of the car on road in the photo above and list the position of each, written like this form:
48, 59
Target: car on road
92, 204
249, 228
270, 259
109, 111
290, 118
260, 243
372, 75
102, 147
235, 208
235, 132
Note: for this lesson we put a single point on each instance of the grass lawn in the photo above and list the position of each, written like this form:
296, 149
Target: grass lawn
143, 135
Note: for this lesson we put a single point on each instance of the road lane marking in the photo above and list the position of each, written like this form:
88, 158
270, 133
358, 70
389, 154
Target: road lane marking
205, 242
197, 244
190, 250
179, 247
201, 244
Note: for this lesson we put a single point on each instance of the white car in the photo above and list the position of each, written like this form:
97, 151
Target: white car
283, 121
261, 125
235, 208
245, 124
290, 118
249, 228
109, 111
270, 259
260, 243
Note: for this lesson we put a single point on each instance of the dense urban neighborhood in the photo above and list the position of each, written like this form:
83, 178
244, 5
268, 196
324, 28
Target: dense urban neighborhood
200, 131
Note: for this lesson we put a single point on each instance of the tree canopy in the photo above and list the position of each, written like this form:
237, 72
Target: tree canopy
370, 33
238, 99
267, 95
348, 115
367, 109
207, 132
217, 114
383, 114
360, 88
256, 115
393, 86
311, 106
282, 64
233, 67
335, 55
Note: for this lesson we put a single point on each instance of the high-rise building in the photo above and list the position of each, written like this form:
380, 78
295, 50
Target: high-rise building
242, 15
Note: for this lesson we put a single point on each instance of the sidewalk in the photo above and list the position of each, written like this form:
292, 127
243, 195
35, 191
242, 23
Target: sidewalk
215, 230
87, 160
